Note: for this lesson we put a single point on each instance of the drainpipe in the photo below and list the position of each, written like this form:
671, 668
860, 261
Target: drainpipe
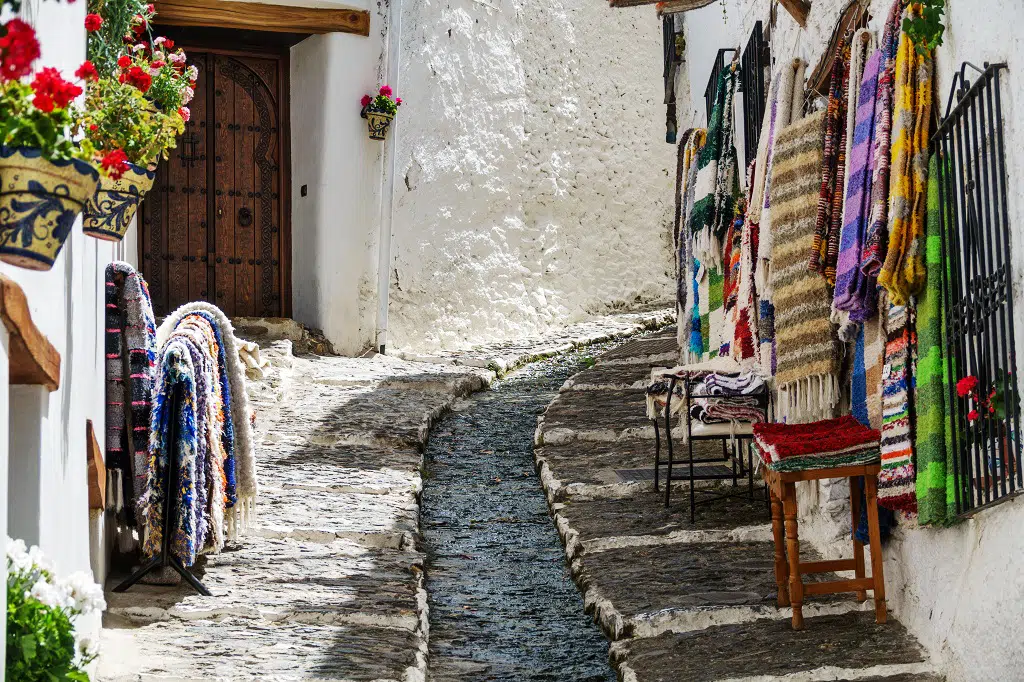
394, 58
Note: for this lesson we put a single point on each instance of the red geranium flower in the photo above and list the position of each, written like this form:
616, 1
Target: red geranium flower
966, 385
184, 113
365, 101
18, 49
972, 415
93, 22
168, 44
115, 163
124, 61
138, 77
398, 101
52, 91
386, 90
158, 64
87, 72
151, 8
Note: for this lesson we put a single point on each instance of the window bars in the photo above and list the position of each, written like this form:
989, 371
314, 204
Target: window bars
712, 88
752, 84
976, 286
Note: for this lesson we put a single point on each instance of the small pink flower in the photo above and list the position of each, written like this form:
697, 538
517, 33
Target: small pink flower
398, 101
184, 113
365, 101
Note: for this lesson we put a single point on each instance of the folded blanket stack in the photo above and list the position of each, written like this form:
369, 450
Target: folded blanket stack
817, 445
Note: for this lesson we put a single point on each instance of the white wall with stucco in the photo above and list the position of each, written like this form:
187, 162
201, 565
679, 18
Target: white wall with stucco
960, 590
46, 492
534, 185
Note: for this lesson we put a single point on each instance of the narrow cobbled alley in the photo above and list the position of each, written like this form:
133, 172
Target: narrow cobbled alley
329, 584
502, 604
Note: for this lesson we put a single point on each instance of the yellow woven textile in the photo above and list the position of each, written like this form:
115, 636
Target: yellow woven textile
903, 272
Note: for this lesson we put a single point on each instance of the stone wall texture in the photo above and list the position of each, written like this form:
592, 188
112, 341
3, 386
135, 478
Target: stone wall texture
534, 185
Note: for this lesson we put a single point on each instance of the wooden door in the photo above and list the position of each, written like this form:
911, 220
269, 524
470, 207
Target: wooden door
216, 225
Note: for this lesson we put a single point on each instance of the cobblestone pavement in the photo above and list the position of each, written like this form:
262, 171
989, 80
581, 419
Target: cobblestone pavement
684, 602
329, 585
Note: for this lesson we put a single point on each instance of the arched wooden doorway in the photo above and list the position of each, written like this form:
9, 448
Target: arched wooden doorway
216, 226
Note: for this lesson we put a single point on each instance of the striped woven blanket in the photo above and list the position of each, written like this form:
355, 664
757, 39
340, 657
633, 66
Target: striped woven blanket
821, 444
809, 354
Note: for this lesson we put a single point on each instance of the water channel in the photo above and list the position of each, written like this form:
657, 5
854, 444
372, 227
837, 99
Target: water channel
502, 604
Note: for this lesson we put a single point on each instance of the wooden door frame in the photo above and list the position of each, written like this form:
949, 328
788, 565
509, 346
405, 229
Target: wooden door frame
281, 53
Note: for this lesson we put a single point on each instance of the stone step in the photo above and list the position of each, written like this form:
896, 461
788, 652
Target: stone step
242, 649
612, 415
662, 349
287, 580
848, 646
610, 378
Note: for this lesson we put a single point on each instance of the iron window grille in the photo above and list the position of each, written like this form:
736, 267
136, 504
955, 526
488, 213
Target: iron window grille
976, 286
753, 63
711, 91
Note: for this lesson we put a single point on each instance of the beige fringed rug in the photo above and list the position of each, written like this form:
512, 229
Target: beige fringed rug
808, 350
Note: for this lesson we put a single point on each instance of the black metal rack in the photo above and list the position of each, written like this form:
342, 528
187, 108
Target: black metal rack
165, 558
753, 62
976, 286
711, 91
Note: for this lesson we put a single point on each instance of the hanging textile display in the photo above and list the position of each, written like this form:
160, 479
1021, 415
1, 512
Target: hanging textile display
809, 354
130, 328
686, 179
936, 494
243, 445
176, 373
896, 481
866, 374
876, 236
717, 184
902, 271
744, 344
855, 291
824, 251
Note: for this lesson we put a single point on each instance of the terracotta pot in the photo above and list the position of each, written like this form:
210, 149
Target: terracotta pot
39, 203
109, 212
378, 123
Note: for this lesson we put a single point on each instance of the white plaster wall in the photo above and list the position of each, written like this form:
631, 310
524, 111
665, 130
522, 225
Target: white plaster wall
335, 226
534, 185
961, 589
67, 305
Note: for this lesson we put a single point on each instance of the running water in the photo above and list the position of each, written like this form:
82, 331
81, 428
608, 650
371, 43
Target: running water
502, 604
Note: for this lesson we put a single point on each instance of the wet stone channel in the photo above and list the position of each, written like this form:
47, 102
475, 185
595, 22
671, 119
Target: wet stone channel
502, 604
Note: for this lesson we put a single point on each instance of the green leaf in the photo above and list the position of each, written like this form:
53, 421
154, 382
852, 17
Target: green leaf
28, 647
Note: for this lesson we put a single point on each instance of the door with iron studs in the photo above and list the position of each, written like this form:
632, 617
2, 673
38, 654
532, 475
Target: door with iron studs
213, 227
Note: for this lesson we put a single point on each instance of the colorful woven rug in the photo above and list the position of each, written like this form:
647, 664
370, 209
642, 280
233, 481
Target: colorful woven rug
896, 482
809, 355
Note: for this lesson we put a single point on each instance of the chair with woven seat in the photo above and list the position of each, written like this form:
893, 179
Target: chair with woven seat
781, 478
737, 434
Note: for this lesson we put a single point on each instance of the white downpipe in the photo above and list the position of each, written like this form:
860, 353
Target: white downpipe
394, 59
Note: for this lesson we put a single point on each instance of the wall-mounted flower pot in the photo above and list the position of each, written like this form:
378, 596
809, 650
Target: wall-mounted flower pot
378, 124
39, 202
109, 212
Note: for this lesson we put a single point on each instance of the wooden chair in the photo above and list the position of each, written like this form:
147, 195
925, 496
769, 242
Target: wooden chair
788, 567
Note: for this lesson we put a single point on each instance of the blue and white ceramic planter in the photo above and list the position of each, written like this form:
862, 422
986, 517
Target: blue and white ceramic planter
40, 200
109, 213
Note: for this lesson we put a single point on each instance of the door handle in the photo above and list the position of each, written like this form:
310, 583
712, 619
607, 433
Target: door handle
220, 212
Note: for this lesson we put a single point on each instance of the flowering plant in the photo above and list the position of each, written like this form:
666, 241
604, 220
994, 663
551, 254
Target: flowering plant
42, 610
40, 113
992, 405
113, 24
383, 102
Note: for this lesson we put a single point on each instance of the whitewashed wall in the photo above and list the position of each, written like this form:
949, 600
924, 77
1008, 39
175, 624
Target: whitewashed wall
534, 184
961, 589
335, 226
46, 495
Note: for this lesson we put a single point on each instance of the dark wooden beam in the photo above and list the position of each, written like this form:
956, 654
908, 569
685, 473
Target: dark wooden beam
258, 16
798, 8
32, 358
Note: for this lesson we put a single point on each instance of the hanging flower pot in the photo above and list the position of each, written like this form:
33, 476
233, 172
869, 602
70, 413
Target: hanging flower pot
378, 123
39, 202
379, 112
109, 212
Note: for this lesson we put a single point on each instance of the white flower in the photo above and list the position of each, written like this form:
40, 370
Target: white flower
177, 57
189, 94
192, 72
159, 56
87, 648
47, 594
18, 560
86, 596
